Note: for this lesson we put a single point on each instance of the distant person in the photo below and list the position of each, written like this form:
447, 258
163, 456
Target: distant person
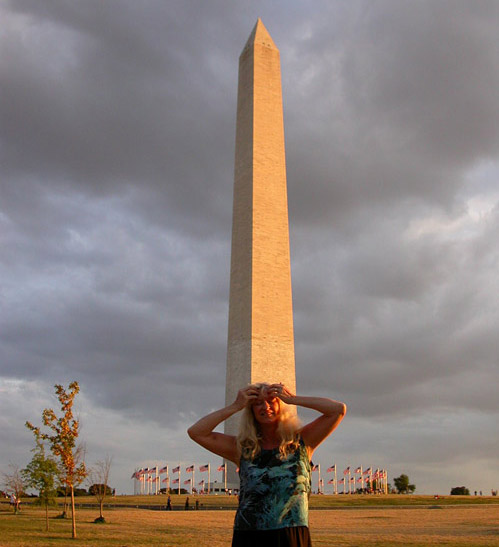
273, 453
186, 503
169, 503
197, 505
15, 502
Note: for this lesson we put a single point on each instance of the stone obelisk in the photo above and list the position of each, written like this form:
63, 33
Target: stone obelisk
260, 338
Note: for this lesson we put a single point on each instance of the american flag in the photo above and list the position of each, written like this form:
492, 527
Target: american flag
368, 471
204, 467
331, 469
331, 481
347, 470
201, 483
163, 470
175, 481
188, 481
315, 467
221, 468
341, 481
176, 470
358, 470
189, 469
136, 475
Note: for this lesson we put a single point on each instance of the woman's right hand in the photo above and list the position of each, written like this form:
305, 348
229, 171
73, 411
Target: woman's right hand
245, 395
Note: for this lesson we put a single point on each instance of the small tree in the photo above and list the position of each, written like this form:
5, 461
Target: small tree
98, 477
65, 431
42, 474
402, 485
14, 483
459, 491
94, 488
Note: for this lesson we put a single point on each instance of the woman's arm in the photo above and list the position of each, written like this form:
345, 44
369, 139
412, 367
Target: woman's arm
318, 430
219, 443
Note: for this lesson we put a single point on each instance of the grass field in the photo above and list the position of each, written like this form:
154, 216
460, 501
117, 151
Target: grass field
413, 521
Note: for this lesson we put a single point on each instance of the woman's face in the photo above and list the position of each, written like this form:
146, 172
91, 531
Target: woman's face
266, 409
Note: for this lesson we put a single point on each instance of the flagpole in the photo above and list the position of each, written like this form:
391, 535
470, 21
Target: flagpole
319, 483
179, 473
335, 481
192, 481
225, 477
208, 478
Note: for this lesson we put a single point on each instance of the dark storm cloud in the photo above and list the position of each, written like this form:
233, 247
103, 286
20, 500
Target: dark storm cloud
116, 148
116, 105
410, 105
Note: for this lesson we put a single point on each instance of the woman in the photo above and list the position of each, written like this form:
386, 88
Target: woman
273, 454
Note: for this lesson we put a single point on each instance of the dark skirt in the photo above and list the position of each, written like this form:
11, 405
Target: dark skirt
296, 536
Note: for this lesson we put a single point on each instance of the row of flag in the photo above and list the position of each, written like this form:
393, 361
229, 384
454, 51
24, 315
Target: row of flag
147, 479
147, 471
367, 479
378, 474
149, 476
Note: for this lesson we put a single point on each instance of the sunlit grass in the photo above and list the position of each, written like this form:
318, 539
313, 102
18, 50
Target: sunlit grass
345, 524
316, 502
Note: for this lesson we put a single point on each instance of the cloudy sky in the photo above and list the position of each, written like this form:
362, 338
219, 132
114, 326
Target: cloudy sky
116, 154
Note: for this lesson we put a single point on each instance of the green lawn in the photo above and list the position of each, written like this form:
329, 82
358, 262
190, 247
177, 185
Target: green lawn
316, 502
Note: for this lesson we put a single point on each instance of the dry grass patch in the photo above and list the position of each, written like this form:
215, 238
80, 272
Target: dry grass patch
453, 526
462, 526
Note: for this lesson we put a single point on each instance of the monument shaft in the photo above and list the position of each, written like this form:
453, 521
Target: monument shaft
260, 337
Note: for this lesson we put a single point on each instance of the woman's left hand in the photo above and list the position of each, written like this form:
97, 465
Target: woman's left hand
282, 392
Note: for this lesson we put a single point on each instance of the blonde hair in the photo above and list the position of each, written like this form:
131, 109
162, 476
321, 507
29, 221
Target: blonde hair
248, 439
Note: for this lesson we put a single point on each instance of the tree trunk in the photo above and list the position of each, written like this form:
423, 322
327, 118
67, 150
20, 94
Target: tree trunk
46, 515
101, 507
73, 516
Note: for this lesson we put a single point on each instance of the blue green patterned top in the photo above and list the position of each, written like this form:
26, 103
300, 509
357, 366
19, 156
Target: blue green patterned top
273, 492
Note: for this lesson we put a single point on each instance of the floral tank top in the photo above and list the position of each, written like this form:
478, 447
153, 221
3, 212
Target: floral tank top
273, 492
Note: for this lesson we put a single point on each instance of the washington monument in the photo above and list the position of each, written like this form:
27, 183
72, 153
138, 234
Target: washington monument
260, 344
